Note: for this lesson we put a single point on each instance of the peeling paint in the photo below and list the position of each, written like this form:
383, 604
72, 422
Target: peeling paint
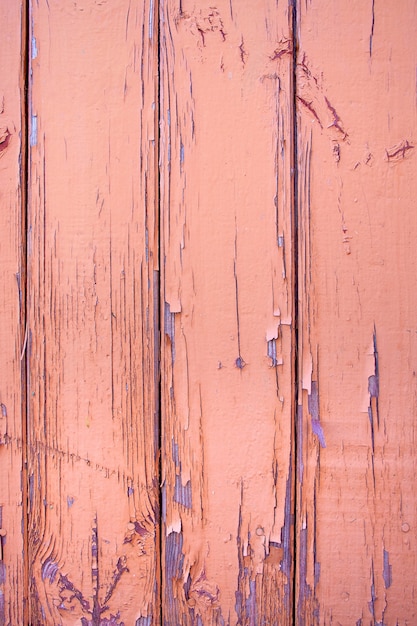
387, 572
313, 409
183, 493
34, 130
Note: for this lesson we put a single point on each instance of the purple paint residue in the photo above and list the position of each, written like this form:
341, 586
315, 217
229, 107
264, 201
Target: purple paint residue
250, 603
174, 562
314, 411
240, 363
113, 620
272, 352
300, 464
387, 573
304, 589
317, 569
2, 575
313, 401
182, 493
318, 431
140, 530
169, 325
175, 454
373, 386
49, 570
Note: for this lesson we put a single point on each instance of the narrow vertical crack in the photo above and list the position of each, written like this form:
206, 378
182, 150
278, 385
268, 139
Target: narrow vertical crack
23, 288
158, 309
295, 238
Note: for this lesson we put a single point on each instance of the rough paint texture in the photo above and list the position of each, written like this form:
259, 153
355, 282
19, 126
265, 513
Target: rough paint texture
356, 127
263, 153
226, 237
12, 318
91, 262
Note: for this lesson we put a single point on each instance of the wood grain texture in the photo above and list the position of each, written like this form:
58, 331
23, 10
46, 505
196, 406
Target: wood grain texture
92, 262
356, 99
12, 318
227, 358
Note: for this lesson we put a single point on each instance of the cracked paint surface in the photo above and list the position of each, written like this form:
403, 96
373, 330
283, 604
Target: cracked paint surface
356, 131
212, 308
226, 119
92, 340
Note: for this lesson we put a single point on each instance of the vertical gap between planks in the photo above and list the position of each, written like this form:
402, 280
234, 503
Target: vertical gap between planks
295, 260
22, 279
158, 312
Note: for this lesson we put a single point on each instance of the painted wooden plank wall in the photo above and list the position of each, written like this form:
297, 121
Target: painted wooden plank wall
226, 108
356, 127
12, 318
284, 178
92, 258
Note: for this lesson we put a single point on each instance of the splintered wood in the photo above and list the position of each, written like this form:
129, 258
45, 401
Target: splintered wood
227, 289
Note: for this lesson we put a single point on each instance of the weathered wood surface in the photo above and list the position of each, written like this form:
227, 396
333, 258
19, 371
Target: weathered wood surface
92, 258
226, 242
356, 127
285, 179
12, 318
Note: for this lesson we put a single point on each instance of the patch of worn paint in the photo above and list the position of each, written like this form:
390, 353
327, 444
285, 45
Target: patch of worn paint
299, 431
313, 409
371, 603
182, 493
174, 562
3, 410
251, 608
70, 501
34, 48
151, 12
144, 621
34, 130
399, 151
2, 573
317, 569
243, 574
287, 561
175, 454
169, 327
304, 589
387, 572
373, 386
49, 570
272, 352
163, 503
373, 408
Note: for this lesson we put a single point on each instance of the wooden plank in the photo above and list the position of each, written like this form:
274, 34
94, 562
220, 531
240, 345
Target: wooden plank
227, 358
12, 297
356, 93
92, 334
